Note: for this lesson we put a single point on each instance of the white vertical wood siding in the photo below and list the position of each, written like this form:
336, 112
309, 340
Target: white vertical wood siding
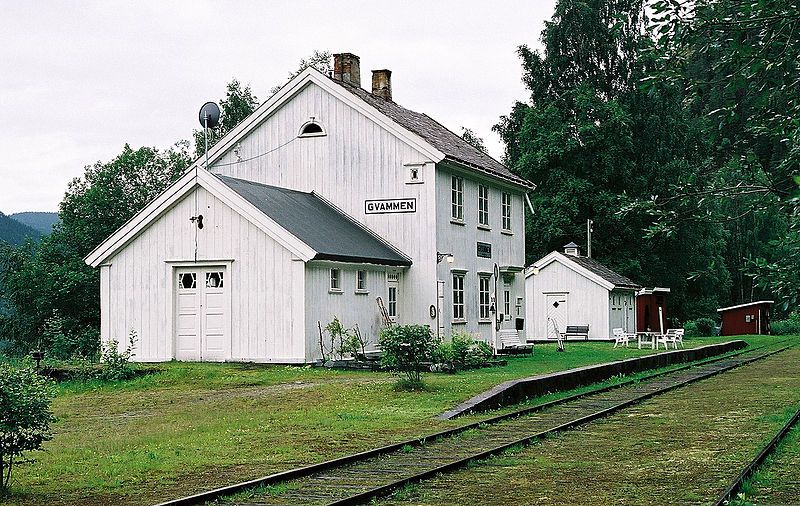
587, 302
461, 241
352, 308
267, 307
357, 159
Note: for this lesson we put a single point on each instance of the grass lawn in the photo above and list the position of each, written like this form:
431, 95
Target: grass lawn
198, 425
777, 480
682, 447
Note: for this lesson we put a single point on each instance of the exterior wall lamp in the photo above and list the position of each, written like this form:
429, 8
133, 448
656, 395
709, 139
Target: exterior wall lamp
442, 256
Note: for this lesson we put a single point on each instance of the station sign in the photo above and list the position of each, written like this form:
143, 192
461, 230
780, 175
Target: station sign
484, 250
390, 206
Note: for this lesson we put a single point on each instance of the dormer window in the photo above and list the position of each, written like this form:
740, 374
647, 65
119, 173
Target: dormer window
311, 128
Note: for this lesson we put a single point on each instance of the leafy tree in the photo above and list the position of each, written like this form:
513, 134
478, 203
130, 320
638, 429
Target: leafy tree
737, 63
239, 103
472, 138
594, 142
52, 276
320, 60
25, 416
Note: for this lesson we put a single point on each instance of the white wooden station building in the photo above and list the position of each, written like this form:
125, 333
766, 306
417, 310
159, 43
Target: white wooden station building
327, 197
567, 289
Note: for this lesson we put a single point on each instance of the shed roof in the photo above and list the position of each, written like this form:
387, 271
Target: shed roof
756, 303
618, 280
330, 232
451, 144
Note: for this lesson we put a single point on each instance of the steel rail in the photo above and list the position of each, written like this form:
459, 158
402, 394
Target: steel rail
306, 471
750, 468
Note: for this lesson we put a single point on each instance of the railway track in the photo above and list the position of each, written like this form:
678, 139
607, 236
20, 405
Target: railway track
355, 479
750, 468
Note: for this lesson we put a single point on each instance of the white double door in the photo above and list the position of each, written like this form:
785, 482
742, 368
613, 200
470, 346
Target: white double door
201, 314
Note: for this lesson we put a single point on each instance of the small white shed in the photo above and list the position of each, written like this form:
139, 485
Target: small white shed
565, 289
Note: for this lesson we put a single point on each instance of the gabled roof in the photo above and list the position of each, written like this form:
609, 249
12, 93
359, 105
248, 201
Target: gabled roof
618, 280
303, 223
589, 268
452, 145
326, 229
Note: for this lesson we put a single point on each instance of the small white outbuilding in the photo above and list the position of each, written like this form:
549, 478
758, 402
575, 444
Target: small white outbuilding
567, 289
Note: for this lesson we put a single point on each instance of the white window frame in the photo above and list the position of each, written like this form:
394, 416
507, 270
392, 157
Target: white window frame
505, 211
361, 281
335, 280
484, 297
507, 303
483, 206
457, 199
458, 296
300, 132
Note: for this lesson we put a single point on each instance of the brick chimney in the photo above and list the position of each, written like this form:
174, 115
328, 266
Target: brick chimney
347, 68
382, 83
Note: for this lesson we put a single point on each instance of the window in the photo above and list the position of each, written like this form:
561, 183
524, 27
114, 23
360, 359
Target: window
506, 210
483, 206
391, 308
336, 280
483, 297
457, 198
311, 129
507, 304
187, 280
361, 281
458, 296
214, 279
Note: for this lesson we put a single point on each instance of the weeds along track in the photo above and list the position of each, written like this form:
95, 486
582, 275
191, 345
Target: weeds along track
752, 466
356, 479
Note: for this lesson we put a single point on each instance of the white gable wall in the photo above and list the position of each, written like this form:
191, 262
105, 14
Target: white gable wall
357, 159
587, 302
266, 285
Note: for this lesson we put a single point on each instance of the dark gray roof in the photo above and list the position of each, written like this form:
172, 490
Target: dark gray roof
334, 235
452, 145
571, 245
604, 272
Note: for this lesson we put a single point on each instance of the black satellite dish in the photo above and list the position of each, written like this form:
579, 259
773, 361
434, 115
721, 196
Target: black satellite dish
209, 115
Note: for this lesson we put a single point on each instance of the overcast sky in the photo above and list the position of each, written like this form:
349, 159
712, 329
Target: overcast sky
80, 79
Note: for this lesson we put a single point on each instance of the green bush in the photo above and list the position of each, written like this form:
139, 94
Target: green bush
701, 327
25, 416
117, 365
788, 326
406, 348
462, 352
59, 344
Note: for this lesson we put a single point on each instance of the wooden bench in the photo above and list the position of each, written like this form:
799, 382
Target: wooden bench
510, 343
576, 331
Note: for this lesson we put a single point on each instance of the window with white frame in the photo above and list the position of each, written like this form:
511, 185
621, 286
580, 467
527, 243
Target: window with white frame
336, 280
457, 198
506, 211
483, 297
507, 303
361, 281
458, 296
483, 205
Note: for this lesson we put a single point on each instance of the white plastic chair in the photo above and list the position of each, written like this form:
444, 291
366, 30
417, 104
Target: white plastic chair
620, 337
675, 336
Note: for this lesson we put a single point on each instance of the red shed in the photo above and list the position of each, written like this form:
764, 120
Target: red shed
648, 303
750, 318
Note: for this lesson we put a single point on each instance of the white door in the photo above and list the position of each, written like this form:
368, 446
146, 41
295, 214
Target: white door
201, 314
440, 307
556, 314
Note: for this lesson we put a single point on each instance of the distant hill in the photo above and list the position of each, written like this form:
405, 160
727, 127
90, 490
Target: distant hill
14, 232
43, 222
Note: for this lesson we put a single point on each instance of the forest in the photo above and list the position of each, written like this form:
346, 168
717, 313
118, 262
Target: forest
672, 124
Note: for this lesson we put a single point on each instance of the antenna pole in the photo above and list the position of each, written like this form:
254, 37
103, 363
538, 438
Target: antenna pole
589, 224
